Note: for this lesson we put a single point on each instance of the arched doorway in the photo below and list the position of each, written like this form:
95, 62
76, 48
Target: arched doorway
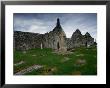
58, 46
86, 44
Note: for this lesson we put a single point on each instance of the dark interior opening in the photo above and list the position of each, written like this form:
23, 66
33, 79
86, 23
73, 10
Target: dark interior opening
86, 44
58, 46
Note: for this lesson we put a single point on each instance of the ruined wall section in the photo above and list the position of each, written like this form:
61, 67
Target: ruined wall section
54, 39
26, 40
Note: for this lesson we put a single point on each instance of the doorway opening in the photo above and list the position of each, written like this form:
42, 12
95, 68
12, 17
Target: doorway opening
58, 46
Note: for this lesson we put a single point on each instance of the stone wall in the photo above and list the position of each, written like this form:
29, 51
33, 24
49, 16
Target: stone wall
55, 39
25, 40
78, 39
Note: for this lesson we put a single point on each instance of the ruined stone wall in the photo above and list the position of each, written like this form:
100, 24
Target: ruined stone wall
25, 40
78, 40
54, 39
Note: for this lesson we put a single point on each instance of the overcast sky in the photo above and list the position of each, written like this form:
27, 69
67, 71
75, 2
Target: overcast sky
45, 22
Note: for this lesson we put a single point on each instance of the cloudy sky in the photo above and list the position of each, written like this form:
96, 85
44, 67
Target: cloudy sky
45, 22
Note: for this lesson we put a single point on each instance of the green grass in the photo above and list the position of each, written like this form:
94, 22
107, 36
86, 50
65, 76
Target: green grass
56, 62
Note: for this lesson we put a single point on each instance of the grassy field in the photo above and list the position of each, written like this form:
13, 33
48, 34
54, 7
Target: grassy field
81, 61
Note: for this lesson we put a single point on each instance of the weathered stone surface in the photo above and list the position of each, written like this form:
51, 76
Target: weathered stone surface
25, 40
55, 39
78, 39
19, 63
80, 62
89, 40
30, 69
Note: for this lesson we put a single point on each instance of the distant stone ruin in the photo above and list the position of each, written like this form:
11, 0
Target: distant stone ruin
55, 39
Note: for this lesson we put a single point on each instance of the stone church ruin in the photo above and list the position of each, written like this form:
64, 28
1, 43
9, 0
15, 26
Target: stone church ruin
55, 39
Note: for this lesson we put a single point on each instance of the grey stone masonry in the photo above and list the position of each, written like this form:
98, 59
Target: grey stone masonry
55, 39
